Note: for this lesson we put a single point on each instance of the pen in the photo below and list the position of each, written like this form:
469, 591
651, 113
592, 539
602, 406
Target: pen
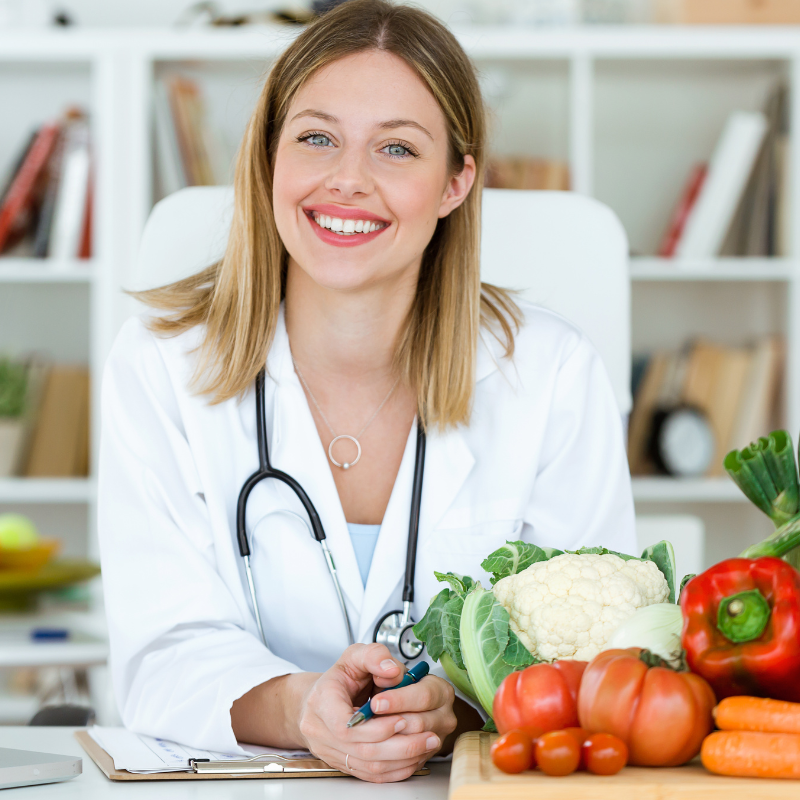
416, 673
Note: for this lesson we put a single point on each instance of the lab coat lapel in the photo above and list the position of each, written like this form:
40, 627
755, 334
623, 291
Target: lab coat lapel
448, 461
297, 450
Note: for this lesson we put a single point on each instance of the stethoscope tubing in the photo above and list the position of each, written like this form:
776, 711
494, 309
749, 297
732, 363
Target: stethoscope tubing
266, 471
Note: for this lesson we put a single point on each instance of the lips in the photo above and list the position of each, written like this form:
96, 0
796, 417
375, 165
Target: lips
337, 240
344, 213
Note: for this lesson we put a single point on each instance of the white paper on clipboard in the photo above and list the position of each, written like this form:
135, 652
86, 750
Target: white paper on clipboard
144, 755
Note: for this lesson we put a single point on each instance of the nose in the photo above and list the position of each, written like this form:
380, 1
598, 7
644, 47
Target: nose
350, 174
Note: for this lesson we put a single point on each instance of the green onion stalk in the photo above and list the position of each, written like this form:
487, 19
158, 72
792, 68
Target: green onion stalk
766, 472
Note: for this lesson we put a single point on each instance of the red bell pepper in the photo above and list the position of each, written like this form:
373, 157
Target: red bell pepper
741, 628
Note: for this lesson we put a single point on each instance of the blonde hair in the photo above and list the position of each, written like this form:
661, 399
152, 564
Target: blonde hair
238, 299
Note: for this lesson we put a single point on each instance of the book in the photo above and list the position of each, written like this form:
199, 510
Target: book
686, 202
59, 446
518, 172
17, 165
728, 173
170, 173
44, 224
756, 416
737, 389
70, 205
21, 192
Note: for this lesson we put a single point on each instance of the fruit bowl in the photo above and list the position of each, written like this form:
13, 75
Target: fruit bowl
29, 559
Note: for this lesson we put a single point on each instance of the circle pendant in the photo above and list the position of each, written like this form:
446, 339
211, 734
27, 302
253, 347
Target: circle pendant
347, 464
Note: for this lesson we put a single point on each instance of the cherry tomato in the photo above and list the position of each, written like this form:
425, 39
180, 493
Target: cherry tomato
604, 754
581, 735
513, 752
557, 753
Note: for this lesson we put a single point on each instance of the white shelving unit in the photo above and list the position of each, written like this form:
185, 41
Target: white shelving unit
630, 109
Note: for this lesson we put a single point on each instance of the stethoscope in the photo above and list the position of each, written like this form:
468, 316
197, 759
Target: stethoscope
393, 629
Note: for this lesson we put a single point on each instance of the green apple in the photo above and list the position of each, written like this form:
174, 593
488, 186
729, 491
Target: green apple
17, 532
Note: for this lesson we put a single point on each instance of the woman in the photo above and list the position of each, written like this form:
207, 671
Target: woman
352, 273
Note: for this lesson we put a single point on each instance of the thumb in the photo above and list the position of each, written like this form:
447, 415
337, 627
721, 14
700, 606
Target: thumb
363, 662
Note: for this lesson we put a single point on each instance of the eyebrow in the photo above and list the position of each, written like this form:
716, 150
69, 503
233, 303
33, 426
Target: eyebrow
389, 124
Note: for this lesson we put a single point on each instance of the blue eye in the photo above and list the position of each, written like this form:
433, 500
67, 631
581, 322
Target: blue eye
401, 147
312, 136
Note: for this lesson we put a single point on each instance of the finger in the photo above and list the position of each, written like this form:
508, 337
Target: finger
429, 693
368, 661
361, 768
387, 777
443, 721
398, 747
377, 729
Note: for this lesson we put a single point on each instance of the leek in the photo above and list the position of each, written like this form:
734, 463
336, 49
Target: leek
766, 472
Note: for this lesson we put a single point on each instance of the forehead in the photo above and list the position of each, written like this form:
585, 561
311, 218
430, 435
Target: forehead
368, 88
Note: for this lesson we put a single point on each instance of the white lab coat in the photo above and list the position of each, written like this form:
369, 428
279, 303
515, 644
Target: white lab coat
541, 460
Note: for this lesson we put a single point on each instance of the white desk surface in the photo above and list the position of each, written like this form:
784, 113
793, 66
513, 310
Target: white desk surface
93, 785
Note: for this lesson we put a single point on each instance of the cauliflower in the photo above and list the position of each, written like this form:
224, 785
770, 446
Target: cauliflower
569, 606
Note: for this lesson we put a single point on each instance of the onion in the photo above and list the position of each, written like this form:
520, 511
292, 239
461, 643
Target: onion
656, 628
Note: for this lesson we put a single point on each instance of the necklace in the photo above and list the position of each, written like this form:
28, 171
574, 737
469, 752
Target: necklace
353, 439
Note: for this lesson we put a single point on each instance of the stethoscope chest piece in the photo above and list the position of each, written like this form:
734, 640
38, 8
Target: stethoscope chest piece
396, 631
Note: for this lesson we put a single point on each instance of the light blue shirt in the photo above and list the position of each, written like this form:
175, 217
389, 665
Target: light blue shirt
364, 539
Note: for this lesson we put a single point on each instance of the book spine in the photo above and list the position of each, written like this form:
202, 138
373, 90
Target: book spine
697, 177
22, 187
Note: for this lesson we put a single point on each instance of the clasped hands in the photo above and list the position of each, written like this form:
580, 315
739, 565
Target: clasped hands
410, 723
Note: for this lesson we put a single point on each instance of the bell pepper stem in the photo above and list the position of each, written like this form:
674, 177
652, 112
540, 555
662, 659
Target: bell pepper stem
742, 617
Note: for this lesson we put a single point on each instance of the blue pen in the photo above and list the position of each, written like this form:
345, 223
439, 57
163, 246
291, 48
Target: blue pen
416, 673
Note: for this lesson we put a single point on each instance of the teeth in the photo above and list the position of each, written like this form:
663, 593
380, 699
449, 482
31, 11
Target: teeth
346, 227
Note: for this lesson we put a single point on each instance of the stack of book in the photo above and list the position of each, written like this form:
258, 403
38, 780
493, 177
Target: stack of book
46, 200
737, 204
538, 174
736, 388
53, 439
189, 151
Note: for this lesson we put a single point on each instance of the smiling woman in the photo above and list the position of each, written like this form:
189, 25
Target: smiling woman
350, 295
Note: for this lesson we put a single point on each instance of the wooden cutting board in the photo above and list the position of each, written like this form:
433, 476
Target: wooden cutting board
474, 777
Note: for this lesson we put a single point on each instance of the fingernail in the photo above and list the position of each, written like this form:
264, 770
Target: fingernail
380, 705
432, 742
399, 725
388, 664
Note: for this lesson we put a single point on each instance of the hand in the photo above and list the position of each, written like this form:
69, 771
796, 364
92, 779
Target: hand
389, 747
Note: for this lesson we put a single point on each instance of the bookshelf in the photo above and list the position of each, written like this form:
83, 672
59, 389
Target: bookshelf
630, 109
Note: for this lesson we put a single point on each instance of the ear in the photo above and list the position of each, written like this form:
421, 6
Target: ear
458, 187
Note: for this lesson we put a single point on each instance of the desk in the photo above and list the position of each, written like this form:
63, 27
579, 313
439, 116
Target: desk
93, 785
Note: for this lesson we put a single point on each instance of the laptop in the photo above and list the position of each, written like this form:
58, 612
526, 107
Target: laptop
26, 768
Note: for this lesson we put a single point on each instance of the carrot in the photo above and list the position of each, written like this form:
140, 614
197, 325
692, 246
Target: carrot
757, 714
751, 754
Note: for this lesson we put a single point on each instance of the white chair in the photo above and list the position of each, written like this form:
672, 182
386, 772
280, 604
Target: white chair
563, 251
687, 534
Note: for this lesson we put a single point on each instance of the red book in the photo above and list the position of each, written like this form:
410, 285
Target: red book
21, 192
681, 213
85, 250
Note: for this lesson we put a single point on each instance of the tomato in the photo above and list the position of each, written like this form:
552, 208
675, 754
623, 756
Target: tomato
581, 735
604, 754
557, 753
540, 698
661, 715
513, 752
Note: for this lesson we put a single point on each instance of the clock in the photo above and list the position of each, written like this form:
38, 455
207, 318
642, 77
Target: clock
682, 441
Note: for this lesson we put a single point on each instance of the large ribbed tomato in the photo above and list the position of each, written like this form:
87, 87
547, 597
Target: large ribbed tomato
661, 715
540, 698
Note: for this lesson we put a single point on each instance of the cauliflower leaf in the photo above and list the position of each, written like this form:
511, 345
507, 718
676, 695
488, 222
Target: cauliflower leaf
513, 557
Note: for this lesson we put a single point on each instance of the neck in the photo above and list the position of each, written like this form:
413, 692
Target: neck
345, 335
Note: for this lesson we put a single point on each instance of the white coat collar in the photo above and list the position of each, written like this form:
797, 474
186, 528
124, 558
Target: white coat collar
296, 449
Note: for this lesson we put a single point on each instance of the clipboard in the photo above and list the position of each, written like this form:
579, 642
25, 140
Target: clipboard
217, 770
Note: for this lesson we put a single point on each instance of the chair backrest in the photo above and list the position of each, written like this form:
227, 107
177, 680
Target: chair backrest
563, 251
